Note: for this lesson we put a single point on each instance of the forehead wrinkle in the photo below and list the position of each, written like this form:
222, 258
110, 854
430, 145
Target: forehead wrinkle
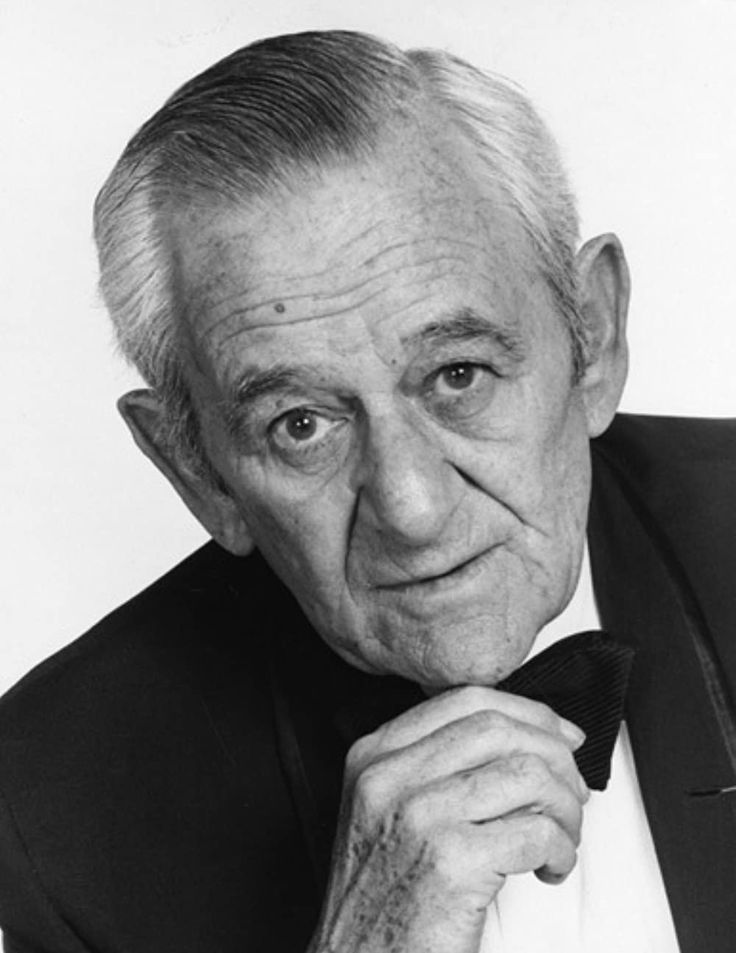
290, 279
266, 275
241, 312
339, 312
397, 246
323, 296
382, 252
462, 324
279, 299
408, 305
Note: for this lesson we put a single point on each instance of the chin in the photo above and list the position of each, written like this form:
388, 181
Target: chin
462, 655
466, 673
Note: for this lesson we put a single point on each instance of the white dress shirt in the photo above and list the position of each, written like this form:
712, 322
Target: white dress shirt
614, 900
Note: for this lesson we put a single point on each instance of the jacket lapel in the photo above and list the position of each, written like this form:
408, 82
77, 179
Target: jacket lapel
677, 710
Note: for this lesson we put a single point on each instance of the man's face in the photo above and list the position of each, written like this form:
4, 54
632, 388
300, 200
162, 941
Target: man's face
386, 389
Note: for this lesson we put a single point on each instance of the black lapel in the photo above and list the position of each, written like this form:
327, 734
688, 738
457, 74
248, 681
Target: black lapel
679, 711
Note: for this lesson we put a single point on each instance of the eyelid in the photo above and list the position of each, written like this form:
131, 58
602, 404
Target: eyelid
299, 408
480, 365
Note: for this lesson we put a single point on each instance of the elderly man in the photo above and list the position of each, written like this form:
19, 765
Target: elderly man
376, 361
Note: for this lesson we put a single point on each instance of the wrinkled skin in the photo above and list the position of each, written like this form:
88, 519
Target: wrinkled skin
386, 392
440, 806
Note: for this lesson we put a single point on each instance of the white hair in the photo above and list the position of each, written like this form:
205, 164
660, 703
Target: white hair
296, 102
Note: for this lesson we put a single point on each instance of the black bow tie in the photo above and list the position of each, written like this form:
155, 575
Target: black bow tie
582, 678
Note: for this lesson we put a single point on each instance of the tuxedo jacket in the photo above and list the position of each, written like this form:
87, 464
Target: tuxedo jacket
169, 782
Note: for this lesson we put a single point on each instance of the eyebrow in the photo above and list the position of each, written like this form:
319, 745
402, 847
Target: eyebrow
464, 325
254, 383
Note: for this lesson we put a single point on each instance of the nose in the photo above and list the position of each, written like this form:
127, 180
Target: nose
408, 489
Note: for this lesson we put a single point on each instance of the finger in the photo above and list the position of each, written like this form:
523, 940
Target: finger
480, 858
532, 842
478, 739
461, 702
521, 785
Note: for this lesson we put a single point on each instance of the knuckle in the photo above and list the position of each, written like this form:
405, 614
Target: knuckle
565, 758
529, 768
371, 787
546, 830
472, 697
536, 840
359, 754
412, 813
449, 856
490, 720
525, 849
566, 769
547, 718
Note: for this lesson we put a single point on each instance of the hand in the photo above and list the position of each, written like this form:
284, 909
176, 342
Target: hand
439, 806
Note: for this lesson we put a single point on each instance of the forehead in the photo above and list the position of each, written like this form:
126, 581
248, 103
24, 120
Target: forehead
370, 249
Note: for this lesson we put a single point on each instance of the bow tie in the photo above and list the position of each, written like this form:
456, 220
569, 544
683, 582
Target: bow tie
582, 678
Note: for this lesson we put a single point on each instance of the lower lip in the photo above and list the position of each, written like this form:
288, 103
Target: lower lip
443, 585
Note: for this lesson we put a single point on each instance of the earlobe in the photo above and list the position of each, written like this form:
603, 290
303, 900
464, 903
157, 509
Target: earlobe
215, 509
603, 289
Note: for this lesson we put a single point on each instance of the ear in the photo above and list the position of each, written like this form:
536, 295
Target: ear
604, 288
211, 504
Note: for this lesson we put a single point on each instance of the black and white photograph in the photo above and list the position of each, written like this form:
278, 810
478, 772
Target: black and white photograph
369, 477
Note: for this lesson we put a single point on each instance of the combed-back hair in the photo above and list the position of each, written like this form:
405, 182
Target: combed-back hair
298, 103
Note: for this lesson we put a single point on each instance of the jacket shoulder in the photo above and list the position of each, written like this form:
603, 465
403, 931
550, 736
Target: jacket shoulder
139, 764
683, 468
156, 631
682, 474
646, 441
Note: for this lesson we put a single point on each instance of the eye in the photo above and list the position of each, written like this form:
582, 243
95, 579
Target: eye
461, 380
457, 377
459, 391
300, 424
303, 435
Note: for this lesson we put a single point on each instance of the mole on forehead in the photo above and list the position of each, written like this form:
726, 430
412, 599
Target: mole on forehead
388, 329
271, 300
224, 336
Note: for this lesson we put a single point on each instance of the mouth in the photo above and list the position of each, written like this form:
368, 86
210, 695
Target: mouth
460, 572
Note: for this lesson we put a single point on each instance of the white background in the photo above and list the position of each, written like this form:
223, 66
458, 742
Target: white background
642, 97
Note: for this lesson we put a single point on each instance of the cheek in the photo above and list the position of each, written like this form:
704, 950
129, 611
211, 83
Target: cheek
301, 539
556, 439
533, 471
565, 479
299, 527
567, 447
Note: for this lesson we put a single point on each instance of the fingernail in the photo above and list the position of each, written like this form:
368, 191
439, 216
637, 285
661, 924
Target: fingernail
572, 732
